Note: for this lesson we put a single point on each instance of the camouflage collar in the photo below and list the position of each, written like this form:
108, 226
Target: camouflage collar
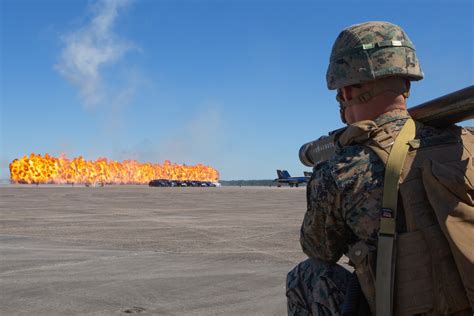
361, 131
391, 116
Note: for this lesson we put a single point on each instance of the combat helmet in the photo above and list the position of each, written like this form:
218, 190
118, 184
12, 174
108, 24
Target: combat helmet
370, 51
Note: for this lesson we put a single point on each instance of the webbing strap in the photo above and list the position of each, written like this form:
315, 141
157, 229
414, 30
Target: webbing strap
385, 249
395, 87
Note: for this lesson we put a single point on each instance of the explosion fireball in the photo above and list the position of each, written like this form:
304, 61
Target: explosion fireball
38, 169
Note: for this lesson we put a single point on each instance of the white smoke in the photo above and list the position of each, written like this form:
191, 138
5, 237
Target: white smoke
201, 139
91, 47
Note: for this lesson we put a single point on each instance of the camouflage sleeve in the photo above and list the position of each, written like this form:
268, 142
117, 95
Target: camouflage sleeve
343, 204
324, 234
360, 180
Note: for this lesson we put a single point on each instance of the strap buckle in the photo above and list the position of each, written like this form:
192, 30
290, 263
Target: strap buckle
364, 97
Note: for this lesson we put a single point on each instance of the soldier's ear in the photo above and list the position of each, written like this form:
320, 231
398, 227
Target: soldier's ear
406, 94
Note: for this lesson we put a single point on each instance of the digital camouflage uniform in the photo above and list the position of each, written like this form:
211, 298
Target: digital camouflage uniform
344, 198
315, 287
344, 194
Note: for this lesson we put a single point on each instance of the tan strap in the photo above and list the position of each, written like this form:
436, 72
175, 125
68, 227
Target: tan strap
387, 234
397, 88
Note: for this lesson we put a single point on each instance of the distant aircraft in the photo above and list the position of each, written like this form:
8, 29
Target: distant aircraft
284, 177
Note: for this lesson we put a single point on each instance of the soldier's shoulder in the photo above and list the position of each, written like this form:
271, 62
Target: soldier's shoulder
351, 166
429, 135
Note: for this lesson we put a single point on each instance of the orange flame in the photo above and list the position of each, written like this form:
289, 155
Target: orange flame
47, 169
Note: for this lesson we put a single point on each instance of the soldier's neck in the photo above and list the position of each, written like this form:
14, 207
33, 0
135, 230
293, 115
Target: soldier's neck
374, 108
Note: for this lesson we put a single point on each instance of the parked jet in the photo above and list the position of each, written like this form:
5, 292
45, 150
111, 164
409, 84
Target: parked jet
284, 177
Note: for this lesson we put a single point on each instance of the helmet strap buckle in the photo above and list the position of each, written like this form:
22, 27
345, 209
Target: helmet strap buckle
364, 97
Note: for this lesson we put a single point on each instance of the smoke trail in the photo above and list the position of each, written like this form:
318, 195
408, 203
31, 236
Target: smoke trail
91, 47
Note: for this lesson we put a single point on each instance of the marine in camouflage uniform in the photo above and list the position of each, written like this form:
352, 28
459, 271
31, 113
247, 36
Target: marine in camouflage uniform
344, 198
344, 194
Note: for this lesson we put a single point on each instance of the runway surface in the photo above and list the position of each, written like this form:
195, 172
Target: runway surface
121, 250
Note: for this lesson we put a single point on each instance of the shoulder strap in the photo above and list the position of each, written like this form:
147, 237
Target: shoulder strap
387, 234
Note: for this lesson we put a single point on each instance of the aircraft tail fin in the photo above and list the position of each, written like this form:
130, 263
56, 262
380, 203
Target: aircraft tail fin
285, 174
279, 174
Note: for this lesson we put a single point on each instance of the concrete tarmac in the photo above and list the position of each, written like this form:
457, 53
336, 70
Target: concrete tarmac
119, 250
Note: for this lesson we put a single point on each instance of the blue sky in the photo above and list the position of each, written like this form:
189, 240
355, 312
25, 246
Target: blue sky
238, 85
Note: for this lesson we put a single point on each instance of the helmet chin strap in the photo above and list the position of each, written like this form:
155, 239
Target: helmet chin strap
399, 88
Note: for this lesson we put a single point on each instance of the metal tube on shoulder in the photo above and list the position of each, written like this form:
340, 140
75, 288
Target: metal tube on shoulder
447, 110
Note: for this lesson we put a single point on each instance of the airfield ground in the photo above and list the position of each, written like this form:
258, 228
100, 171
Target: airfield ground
151, 251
